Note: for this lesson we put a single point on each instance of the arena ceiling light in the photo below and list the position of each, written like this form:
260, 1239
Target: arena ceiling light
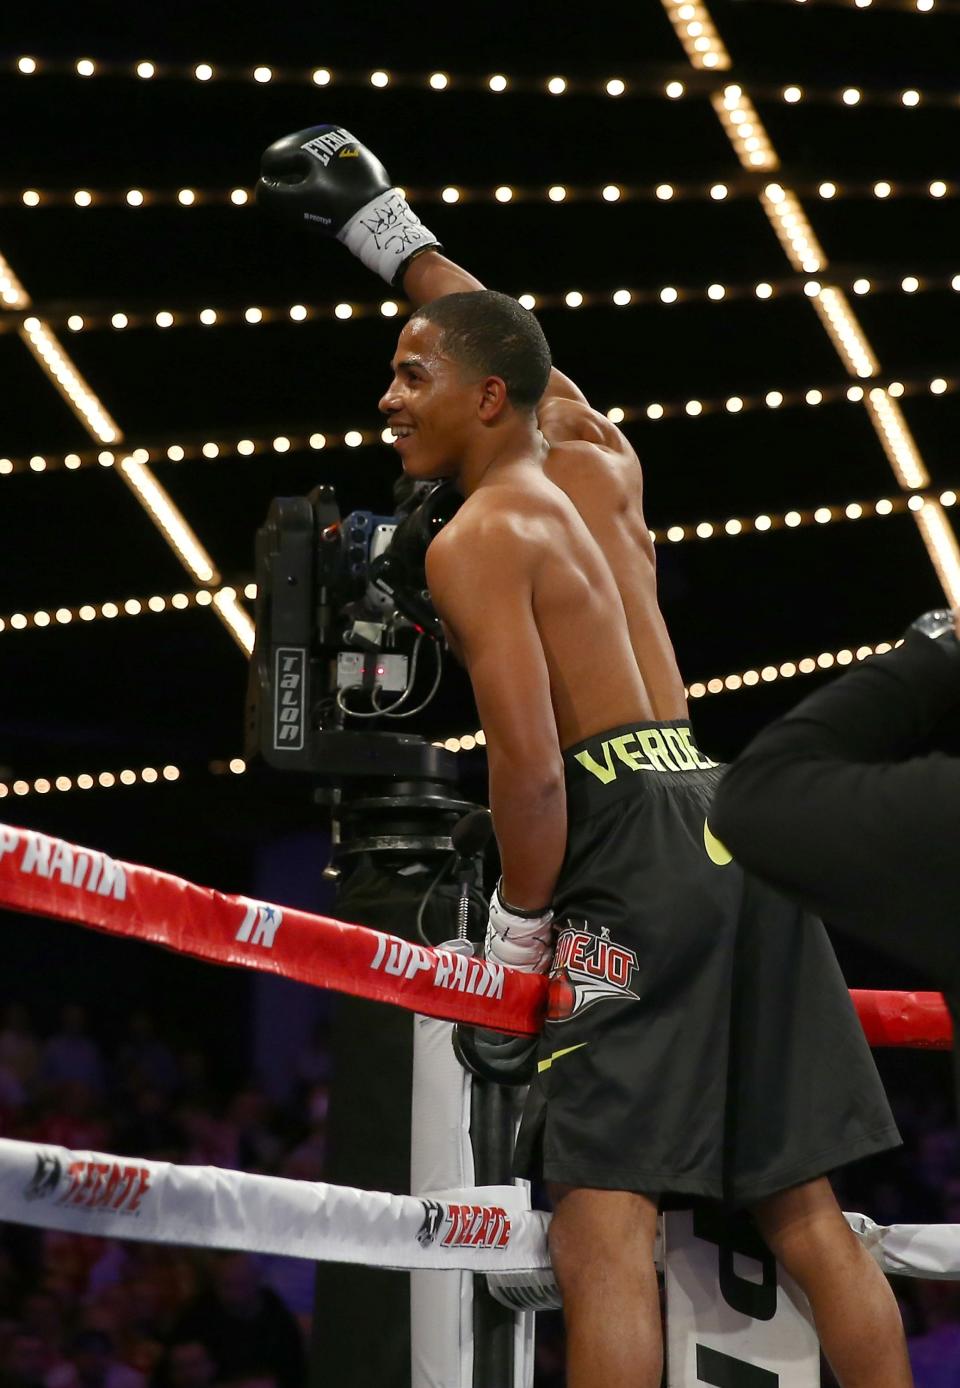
12, 293
466, 742
107, 317
61, 372
691, 21
755, 152
788, 669
297, 441
113, 780
85, 780
803, 250
65, 376
797, 519
811, 397
727, 684
903, 6
763, 523
55, 617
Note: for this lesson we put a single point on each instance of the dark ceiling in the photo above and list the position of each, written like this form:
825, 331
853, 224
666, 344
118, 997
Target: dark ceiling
169, 688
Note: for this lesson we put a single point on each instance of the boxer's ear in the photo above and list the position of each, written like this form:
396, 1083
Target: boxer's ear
493, 399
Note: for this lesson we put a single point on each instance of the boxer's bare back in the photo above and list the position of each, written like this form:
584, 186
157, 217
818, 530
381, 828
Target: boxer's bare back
570, 523
563, 520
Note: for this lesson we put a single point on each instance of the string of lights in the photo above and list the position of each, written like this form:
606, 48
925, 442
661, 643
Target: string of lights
762, 523
731, 684
62, 372
731, 189
796, 519
655, 81
733, 526
12, 293
769, 674
878, 395
127, 607
104, 780
466, 742
751, 144
904, 6
98, 318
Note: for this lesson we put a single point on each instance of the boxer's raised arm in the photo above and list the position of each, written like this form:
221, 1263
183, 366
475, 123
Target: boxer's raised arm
325, 177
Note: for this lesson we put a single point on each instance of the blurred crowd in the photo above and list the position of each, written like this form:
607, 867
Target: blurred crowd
83, 1312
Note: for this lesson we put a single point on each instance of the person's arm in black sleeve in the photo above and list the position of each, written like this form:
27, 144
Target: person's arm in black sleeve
823, 805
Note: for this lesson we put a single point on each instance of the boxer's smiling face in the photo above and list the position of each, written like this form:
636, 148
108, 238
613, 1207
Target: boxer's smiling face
432, 406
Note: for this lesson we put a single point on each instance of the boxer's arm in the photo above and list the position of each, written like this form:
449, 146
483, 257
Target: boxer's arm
326, 176
481, 587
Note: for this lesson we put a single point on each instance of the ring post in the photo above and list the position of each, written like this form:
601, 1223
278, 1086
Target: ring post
441, 1159
503, 1337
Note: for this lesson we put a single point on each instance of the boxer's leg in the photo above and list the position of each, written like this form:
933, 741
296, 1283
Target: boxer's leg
856, 1314
601, 1247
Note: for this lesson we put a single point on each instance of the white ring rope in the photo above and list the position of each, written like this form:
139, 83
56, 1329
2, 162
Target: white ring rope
481, 1229
489, 1228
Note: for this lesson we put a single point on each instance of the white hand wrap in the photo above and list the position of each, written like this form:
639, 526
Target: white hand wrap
519, 941
385, 234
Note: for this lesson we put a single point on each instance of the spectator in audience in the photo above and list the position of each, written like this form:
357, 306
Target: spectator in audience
23, 1365
12, 1097
258, 1146
149, 1128
71, 1056
144, 1060
244, 1326
81, 1312
76, 1121
935, 1354
312, 1066
186, 1364
19, 1051
93, 1363
42, 1315
208, 1140
306, 1161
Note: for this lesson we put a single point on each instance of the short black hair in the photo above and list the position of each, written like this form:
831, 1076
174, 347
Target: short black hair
490, 333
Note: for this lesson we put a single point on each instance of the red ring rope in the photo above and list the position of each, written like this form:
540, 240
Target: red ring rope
47, 876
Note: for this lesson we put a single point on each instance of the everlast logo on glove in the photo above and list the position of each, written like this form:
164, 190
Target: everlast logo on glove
324, 147
347, 192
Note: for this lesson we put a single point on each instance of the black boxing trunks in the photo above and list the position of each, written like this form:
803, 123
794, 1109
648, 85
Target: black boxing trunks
700, 1038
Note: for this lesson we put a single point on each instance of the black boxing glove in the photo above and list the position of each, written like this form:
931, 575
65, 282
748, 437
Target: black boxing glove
325, 176
492, 1056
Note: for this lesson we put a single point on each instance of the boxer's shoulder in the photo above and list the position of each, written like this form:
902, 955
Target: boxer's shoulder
567, 423
490, 522
593, 474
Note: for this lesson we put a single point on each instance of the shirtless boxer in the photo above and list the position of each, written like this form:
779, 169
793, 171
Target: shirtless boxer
700, 1040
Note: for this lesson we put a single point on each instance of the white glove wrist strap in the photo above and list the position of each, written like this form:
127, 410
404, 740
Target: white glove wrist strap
385, 234
522, 942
